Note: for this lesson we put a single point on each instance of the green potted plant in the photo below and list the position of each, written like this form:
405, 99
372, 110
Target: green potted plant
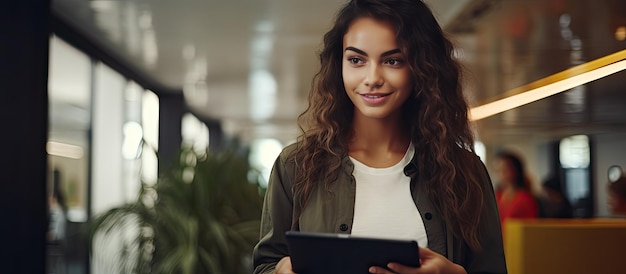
201, 217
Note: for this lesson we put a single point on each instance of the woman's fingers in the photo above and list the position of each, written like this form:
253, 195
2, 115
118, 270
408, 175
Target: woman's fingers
398, 268
432, 262
379, 270
426, 253
284, 266
393, 268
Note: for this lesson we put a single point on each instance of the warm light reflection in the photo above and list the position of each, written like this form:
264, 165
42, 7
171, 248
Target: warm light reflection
551, 85
620, 33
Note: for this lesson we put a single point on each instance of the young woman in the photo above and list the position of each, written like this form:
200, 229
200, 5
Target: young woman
514, 198
617, 197
386, 149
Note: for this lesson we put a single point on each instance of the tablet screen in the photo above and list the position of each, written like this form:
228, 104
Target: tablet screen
343, 253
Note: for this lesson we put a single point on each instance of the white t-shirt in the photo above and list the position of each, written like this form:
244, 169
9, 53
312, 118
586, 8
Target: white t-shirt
384, 207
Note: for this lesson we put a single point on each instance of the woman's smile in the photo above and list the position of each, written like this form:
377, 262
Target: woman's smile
374, 99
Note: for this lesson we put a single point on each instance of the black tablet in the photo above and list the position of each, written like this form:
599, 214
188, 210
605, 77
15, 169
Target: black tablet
343, 253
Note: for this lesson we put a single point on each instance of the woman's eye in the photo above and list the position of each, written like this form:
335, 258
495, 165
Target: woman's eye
394, 62
354, 60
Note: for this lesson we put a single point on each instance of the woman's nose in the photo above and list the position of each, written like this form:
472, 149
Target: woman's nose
374, 78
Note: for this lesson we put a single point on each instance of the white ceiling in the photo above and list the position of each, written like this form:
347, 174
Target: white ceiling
249, 63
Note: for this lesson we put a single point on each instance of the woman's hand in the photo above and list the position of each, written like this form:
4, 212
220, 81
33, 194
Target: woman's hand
431, 262
284, 266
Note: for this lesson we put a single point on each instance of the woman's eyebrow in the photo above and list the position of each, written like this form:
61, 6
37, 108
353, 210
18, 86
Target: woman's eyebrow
386, 53
391, 52
356, 50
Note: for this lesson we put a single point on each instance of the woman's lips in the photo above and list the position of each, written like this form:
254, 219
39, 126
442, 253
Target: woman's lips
373, 99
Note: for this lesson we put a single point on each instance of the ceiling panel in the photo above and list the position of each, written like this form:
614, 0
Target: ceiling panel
210, 49
513, 43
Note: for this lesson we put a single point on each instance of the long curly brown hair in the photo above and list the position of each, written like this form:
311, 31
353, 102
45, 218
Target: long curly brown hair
436, 114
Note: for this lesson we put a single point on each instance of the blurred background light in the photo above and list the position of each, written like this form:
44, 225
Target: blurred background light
64, 150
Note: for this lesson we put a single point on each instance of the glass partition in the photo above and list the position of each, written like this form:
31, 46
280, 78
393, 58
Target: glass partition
69, 149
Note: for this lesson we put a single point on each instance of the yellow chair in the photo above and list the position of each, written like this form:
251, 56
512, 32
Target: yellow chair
552, 246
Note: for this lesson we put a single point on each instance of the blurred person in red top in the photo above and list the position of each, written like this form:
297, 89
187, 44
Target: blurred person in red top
617, 197
513, 195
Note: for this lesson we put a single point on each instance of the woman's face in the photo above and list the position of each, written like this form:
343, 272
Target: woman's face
505, 172
375, 73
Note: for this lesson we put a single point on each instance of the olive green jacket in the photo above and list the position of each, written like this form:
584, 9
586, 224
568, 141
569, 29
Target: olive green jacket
333, 211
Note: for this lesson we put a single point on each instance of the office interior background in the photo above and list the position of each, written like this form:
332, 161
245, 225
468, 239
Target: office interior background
93, 90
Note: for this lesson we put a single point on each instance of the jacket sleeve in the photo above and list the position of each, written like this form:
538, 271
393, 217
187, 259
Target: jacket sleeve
490, 258
276, 217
